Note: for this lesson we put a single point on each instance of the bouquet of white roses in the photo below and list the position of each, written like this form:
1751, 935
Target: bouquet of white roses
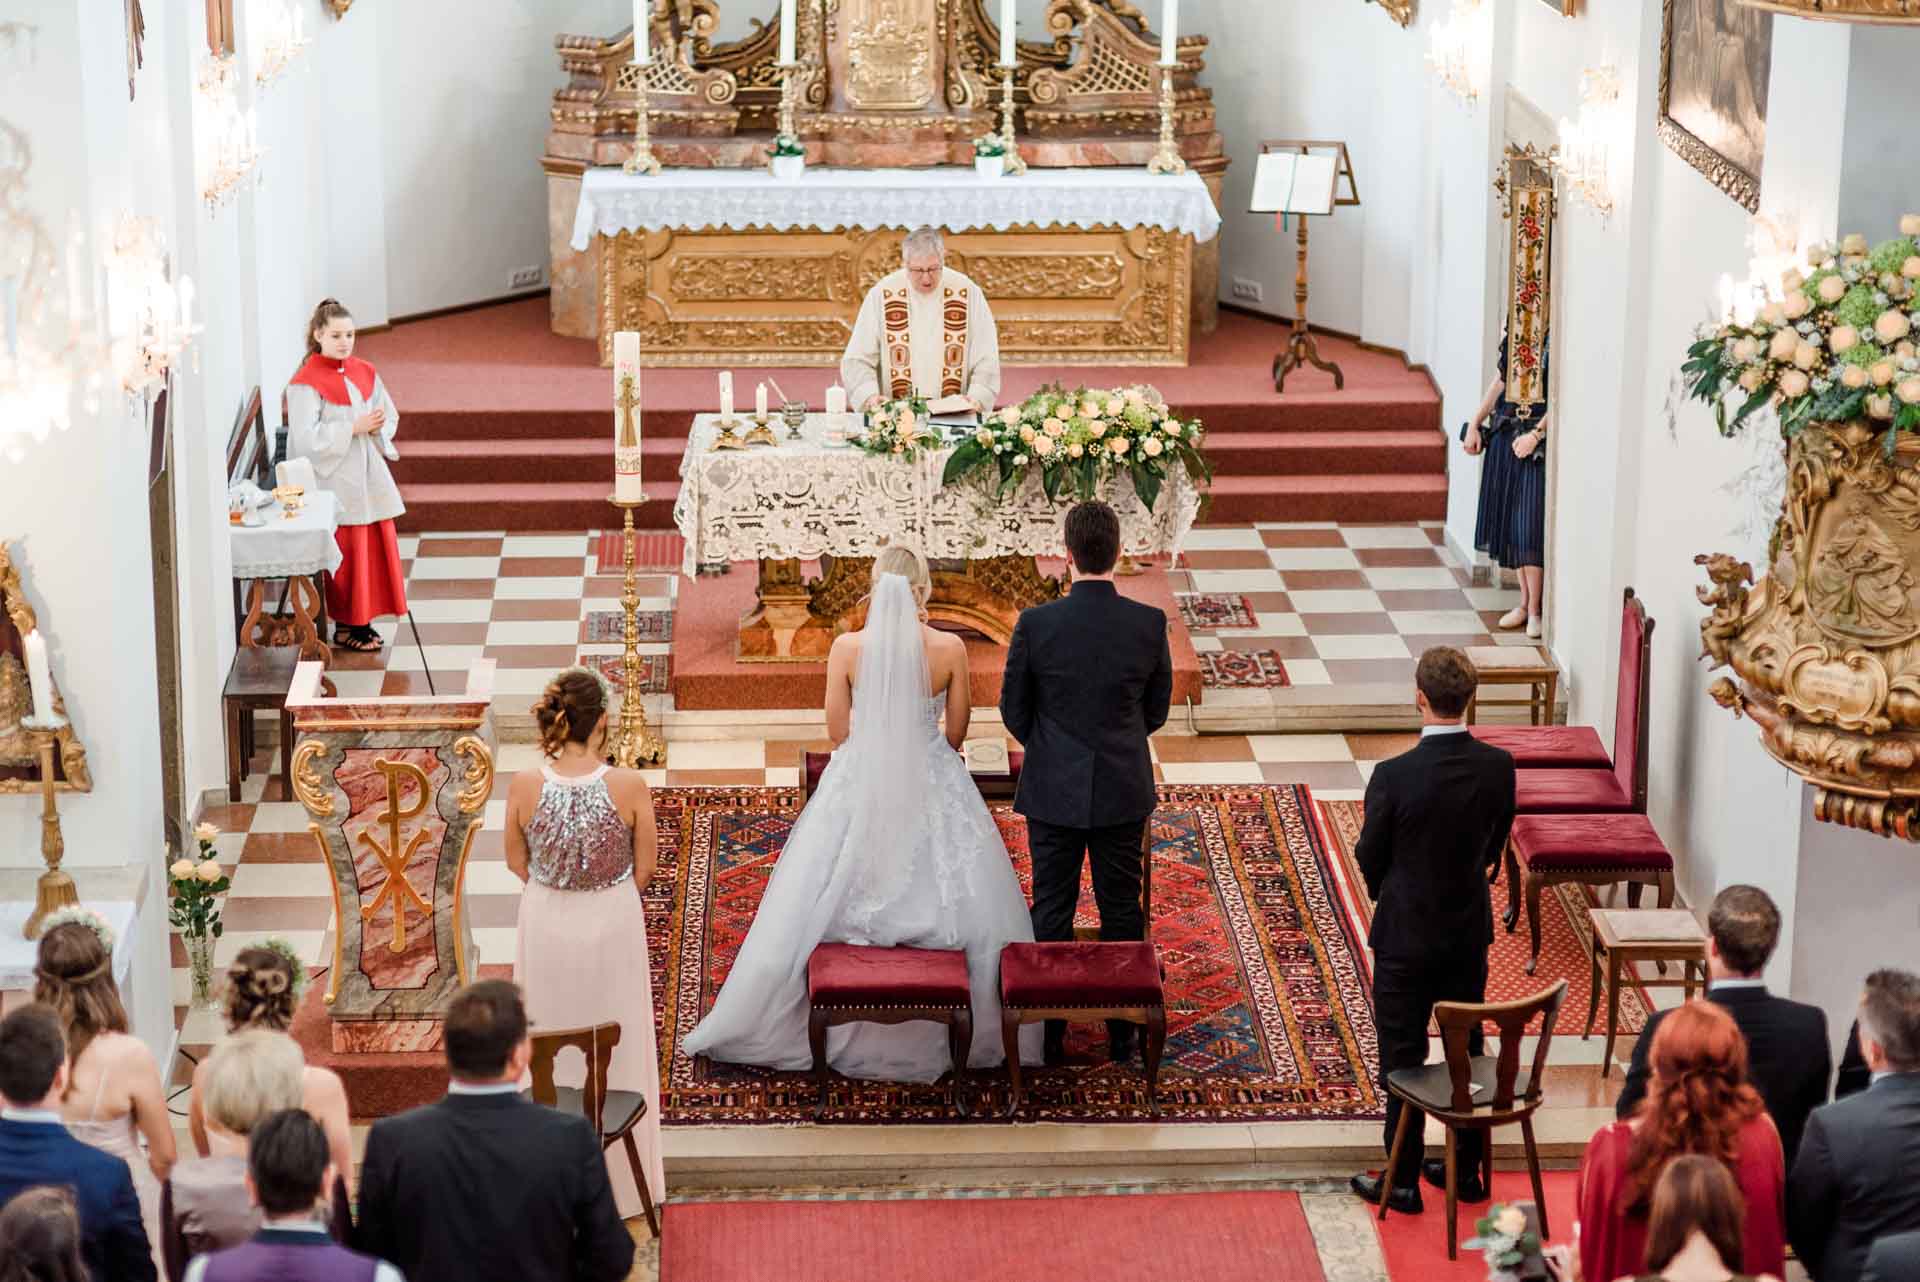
1503, 1240
1837, 345
1076, 437
897, 429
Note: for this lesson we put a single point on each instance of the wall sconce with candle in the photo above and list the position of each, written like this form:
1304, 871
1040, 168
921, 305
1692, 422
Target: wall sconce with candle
277, 31
1584, 156
226, 137
1462, 48
149, 315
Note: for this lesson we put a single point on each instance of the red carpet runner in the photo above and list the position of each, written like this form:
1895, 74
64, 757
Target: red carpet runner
1416, 1245
1220, 1237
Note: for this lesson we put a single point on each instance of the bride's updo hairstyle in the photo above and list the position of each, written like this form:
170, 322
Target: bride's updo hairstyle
569, 709
908, 564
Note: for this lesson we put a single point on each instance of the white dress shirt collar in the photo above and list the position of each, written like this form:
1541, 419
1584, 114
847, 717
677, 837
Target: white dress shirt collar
1445, 727
38, 1116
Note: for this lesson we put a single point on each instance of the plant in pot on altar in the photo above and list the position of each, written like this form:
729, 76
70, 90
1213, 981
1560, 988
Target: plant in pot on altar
897, 429
195, 887
990, 155
1076, 438
787, 157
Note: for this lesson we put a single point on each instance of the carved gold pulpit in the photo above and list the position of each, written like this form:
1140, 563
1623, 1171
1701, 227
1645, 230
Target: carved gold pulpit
395, 789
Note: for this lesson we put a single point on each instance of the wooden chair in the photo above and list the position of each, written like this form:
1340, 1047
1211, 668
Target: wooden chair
612, 1114
1445, 1092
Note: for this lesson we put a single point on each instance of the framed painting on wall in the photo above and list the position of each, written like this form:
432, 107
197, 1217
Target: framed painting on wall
1715, 56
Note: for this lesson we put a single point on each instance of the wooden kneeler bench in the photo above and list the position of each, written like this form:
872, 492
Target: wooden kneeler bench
856, 984
1082, 981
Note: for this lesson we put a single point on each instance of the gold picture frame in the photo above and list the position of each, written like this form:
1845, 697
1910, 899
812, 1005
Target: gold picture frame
1401, 11
19, 756
339, 7
1565, 8
1732, 98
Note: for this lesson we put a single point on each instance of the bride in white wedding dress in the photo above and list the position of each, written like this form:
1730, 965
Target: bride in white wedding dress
895, 848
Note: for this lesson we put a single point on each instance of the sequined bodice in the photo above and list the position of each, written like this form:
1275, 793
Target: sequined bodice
576, 839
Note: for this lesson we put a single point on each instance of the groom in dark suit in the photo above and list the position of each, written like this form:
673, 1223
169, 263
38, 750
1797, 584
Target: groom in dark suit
1088, 678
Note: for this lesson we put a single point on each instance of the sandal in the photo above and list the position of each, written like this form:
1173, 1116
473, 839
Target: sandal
359, 640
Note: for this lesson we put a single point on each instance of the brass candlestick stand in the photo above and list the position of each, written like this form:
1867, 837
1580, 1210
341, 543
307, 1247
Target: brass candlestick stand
55, 888
632, 742
642, 161
1013, 165
1167, 160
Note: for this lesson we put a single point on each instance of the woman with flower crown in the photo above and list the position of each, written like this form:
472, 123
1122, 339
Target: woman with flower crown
581, 835
114, 1097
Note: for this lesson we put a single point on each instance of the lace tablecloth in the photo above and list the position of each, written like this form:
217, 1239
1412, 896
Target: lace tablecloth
809, 497
304, 545
957, 199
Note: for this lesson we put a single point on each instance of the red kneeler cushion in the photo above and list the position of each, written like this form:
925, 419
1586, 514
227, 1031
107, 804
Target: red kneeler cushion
814, 764
1556, 842
1568, 792
1563, 746
1091, 974
856, 975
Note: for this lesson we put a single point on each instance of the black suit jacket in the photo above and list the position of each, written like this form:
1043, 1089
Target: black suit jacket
490, 1188
1855, 1178
1437, 819
1088, 678
1895, 1258
1787, 1057
1853, 1075
112, 1237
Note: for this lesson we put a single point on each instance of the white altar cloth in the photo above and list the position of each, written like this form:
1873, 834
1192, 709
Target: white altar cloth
304, 545
18, 955
811, 497
957, 199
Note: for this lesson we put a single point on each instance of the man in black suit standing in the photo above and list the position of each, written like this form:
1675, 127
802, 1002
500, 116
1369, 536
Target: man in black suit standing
1787, 1053
1437, 820
486, 1185
1854, 1179
1088, 679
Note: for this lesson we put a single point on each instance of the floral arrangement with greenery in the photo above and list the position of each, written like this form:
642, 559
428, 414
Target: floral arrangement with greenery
1503, 1238
196, 888
1837, 345
989, 145
897, 429
787, 145
1077, 437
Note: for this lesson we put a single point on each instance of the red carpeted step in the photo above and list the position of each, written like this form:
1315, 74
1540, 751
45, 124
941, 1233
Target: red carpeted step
484, 462
534, 505
1238, 499
1324, 453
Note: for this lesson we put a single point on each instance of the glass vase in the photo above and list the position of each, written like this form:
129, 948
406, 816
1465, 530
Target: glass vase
200, 966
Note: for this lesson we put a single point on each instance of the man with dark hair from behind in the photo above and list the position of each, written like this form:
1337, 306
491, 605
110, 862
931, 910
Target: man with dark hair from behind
486, 1185
1787, 1053
1436, 821
36, 1148
288, 1171
1854, 1180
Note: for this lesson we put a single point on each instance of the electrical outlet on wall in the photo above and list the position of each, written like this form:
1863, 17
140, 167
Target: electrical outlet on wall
1248, 290
526, 277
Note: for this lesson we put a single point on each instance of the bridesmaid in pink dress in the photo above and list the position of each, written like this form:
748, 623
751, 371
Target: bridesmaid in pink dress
582, 837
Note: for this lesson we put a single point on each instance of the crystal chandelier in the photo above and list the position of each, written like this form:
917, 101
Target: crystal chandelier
226, 137
149, 315
1462, 44
1586, 143
278, 34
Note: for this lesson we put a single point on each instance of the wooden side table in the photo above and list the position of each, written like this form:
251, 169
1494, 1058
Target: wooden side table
259, 678
1629, 935
1516, 665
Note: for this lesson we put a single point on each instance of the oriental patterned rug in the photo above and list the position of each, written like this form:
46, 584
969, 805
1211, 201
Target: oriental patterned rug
1566, 934
1242, 669
653, 671
1215, 610
610, 626
1268, 1013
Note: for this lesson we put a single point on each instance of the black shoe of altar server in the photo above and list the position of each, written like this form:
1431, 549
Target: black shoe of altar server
1402, 1201
1467, 1187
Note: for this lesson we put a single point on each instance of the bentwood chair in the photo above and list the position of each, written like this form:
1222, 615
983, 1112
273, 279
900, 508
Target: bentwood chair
612, 1114
1478, 1092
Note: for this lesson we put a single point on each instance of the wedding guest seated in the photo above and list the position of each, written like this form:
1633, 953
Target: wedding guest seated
40, 1238
36, 1148
486, 1186
1695, 1232
288, 1171
1894, 1258
113, 1098
264, 986
1787, 1055
203, 1205
1854, 1180
1700, 1102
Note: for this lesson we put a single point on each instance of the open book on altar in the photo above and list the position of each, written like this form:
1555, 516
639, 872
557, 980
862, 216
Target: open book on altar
952, 411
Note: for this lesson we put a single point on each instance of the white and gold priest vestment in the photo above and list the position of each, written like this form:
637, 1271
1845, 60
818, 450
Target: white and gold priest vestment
940, 343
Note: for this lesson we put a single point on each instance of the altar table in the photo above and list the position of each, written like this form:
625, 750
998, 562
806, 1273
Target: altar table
814, 499
302, 551
713, 266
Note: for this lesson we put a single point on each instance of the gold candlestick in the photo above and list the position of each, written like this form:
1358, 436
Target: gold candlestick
1014, 165
631, 743
642, 161
1167, 160
55, 888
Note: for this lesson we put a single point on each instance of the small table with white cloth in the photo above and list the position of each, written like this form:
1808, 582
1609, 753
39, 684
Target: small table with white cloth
299, 550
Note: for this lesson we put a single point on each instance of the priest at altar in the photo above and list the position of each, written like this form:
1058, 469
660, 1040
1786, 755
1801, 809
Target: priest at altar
924, 329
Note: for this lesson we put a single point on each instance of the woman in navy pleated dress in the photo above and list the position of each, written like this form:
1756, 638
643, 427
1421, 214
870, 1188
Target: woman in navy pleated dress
1512, 526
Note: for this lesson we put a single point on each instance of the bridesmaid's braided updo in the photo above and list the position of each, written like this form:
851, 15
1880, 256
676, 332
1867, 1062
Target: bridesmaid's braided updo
570, 708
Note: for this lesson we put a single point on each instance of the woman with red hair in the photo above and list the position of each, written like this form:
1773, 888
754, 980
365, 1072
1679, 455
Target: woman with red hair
1698, 1102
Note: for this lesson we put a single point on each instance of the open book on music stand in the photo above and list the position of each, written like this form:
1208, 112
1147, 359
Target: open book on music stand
1300, 178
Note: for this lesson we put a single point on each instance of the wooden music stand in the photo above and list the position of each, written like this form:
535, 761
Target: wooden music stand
1303, 202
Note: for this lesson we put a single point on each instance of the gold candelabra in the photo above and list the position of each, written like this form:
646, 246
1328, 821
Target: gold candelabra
1014, 165
1167, 160
642, 161
55, 888
632, 741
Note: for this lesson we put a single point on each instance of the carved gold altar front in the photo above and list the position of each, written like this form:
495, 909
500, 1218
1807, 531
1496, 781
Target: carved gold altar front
1103, 295
1827, 646
795, 618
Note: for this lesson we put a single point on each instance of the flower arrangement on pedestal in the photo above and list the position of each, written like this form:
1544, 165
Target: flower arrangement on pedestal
1078, 437
195, 889
897, 429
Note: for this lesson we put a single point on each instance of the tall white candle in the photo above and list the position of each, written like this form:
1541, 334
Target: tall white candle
627, 484
789, 29
39, 677
641, 51
836, 399
726, 393
1169, 20
760, 401
1006, 33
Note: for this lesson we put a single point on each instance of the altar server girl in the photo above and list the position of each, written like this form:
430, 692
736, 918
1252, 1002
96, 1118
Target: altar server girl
340, 416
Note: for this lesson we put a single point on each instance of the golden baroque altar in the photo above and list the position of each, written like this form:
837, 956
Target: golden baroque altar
884, 84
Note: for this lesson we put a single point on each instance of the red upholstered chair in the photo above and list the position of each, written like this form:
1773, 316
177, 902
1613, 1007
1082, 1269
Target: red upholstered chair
1082, 981
1623, 786
852, 983
1562, 747
998, 787
1599, 850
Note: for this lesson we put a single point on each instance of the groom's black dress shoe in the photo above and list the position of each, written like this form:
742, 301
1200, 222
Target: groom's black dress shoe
1467, 1187
1403, 1201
